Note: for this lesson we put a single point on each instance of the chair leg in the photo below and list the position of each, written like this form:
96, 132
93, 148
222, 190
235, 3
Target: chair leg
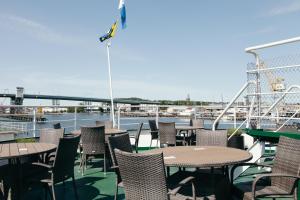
83, 164
75, 187
104, 167
150, 144
53, 192
116, 192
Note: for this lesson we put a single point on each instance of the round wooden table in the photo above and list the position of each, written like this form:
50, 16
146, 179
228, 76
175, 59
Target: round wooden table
18, 150
202, 157
14, 152
108, 132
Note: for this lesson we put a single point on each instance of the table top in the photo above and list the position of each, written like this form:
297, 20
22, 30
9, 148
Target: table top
112, 131
15, 150
204, 156
187, 128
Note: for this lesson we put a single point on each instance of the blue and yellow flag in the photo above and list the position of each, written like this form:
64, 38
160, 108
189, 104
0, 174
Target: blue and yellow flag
122, 13
111, 33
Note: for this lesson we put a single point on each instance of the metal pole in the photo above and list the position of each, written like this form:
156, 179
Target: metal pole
112, 112
34, 121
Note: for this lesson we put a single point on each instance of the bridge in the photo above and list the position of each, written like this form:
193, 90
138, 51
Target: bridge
18, 99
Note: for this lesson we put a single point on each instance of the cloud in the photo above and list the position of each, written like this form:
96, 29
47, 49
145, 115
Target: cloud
285, 9
36, 30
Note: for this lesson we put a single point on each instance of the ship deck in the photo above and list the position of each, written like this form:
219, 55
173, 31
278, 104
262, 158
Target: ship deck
95, 185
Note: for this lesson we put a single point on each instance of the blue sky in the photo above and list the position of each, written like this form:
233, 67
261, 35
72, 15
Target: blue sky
169, 49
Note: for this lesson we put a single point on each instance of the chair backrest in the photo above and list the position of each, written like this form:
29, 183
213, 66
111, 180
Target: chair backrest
138, 133
121, 142
167, 133
197, 122
287, 161
152, 125
107, 124
93, 140
57, 126
51, 136
143, 175
211, 138
63, 166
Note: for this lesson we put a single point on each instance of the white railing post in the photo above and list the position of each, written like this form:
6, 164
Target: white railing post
34, 121
231, 103
119, 115
157, 115
75, 118
234, 117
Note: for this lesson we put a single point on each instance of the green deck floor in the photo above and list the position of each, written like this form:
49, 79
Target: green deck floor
95, 185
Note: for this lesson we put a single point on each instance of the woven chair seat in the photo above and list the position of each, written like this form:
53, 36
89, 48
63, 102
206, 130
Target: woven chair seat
182, 197
261, 191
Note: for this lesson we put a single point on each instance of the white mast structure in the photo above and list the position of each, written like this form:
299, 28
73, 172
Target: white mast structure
112, 110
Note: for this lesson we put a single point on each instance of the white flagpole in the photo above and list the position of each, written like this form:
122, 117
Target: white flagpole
112, 111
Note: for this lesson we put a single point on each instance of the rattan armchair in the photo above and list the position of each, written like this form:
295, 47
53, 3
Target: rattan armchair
51, 136
121, 142
93, 144
284, 177
107, 124
168, 134
61, 170
153, 132
144, 177
211, 138
57, 126
196, 122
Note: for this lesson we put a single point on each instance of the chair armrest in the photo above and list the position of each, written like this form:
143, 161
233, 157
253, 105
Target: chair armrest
246, 164
114, 167
42, 165
271, 175
185, 181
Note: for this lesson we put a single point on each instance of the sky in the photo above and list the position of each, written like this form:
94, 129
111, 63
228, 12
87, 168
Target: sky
169, 49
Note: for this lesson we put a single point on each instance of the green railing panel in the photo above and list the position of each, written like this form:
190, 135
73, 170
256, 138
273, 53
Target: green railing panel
270, 136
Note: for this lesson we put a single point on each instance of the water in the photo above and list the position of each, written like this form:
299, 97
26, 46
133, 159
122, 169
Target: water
67, 121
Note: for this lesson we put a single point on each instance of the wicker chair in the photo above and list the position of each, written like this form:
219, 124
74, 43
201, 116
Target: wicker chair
137, 137
284, 177
93, 144
211, 138
51, 136
121, 142
62, 168
57, 126
153, 132
198, 123
167, 134
144, 177
107, 124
